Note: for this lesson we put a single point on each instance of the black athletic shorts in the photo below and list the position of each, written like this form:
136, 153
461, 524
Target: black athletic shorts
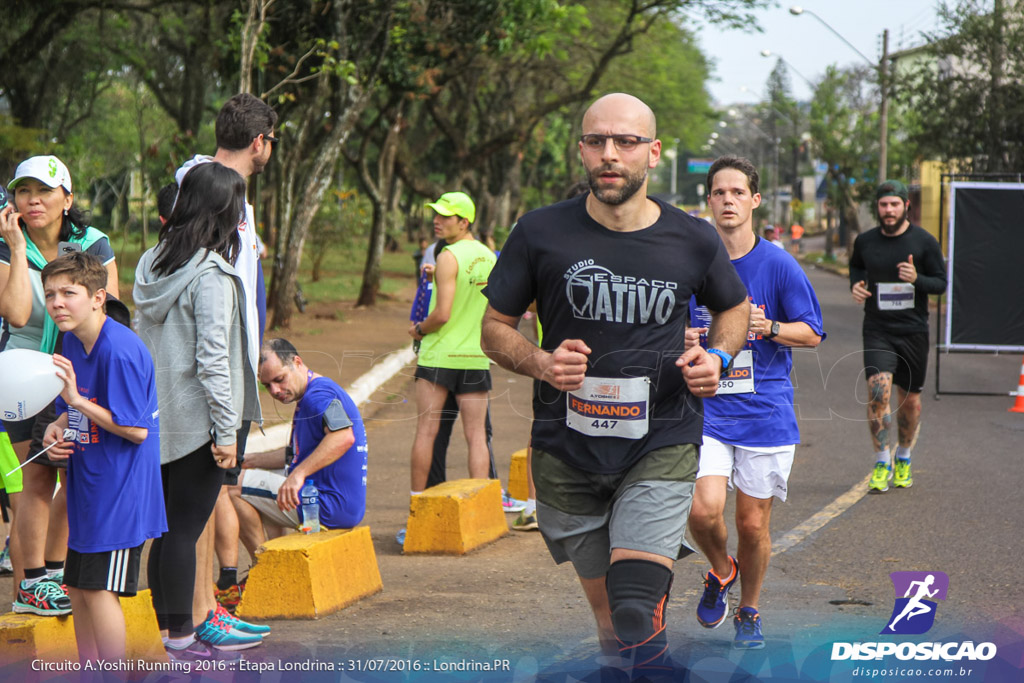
112, 570
242, 437
456, 381
34, 429
903, 355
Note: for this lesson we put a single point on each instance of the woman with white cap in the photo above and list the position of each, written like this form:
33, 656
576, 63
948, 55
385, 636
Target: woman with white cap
39, 224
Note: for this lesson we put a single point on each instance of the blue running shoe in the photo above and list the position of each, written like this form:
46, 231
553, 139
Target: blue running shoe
400, 537
748, 629
218, 634
510, 504
714, 604
241, 626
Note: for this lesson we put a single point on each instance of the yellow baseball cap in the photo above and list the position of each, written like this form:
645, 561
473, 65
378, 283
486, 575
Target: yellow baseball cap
455, 204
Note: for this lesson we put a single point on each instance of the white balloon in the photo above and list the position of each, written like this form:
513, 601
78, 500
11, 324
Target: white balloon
28, 383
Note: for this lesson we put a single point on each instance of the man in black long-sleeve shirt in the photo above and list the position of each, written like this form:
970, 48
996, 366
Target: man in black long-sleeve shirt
893, 269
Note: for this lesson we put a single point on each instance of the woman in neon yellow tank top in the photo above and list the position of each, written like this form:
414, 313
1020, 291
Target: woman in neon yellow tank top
450, 358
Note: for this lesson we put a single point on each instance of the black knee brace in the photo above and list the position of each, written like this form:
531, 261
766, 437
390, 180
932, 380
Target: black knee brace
637, 594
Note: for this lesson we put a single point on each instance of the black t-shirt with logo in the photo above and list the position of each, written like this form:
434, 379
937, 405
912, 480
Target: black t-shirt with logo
876, 258
626, 295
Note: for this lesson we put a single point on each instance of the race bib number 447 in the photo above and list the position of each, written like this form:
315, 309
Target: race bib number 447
610, 407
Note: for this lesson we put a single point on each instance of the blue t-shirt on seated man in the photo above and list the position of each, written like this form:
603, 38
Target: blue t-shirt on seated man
327, 446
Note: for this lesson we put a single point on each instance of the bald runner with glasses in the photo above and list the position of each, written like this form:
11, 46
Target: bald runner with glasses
617, 401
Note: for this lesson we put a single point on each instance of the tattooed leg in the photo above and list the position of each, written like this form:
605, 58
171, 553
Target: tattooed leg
879, 413
908, 417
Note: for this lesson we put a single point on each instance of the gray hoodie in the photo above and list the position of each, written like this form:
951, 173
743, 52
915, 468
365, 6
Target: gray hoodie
191, 320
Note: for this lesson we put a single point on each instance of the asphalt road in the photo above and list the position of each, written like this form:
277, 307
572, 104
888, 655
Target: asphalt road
961, 517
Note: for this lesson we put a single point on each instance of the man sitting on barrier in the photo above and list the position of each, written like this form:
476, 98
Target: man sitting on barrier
327, 446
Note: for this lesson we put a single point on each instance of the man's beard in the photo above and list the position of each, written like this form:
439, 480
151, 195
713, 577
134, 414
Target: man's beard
896, 226
611, 196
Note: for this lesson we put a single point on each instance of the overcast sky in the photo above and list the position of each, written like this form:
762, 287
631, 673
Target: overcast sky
806, 45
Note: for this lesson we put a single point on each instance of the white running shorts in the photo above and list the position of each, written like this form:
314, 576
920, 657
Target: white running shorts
760, 472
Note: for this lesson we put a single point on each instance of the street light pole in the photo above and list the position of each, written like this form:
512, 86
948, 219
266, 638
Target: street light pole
775, 186
881, 68
776, 142
883, 109
768, 53
675, 168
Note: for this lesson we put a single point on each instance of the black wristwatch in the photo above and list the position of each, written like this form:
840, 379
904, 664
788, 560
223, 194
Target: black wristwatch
776, 327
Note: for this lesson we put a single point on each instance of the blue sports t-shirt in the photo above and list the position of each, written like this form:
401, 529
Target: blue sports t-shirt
115, 498
342, 484
765, 416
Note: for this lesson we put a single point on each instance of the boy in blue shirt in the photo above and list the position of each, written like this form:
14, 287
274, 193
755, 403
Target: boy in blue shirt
107, 426
750, 427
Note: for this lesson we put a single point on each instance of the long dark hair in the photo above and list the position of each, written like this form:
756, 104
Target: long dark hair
72, 224
206, 215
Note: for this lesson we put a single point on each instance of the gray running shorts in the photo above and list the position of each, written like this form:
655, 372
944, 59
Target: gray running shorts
584, 515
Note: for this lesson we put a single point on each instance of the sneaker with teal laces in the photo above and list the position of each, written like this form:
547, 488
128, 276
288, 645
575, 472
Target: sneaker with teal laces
748, 629
901, 476
45, 598
218, 634
714, 604
880, 478
241, 626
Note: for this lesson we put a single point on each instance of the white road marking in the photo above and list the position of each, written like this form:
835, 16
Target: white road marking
837, 507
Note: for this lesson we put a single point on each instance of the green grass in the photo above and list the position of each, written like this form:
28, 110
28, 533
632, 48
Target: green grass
820, 257
341, 272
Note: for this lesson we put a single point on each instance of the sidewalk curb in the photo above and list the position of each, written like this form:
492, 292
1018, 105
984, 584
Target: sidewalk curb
834, 268
362, 388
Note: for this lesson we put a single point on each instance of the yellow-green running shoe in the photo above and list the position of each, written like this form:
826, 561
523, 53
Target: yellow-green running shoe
901, 477
880, 478
525, 522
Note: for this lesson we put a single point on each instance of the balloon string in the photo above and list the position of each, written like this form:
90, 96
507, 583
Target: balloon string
31, 459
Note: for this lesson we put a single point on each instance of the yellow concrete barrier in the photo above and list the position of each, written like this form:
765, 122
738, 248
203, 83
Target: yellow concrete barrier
518, 482
302, 576
25, 637
454, 517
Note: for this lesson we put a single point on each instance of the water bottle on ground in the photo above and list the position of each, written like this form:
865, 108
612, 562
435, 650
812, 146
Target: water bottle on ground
310, 500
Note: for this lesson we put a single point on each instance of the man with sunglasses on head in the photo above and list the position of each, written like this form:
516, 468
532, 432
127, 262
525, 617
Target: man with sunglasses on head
617, 401
245, 140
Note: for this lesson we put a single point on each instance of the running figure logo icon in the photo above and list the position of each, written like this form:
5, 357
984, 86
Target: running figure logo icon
914, 612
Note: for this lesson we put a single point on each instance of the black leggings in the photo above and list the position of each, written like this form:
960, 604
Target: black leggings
191, 485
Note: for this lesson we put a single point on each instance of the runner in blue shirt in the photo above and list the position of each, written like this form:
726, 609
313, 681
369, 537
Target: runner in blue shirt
750, 429
108, 427
327, 446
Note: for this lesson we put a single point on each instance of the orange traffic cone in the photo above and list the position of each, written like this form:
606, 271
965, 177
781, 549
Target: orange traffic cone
1018, 405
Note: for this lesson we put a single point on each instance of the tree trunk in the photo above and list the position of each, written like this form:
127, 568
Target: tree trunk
371, 270
314, 180
255, 19
379, 193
